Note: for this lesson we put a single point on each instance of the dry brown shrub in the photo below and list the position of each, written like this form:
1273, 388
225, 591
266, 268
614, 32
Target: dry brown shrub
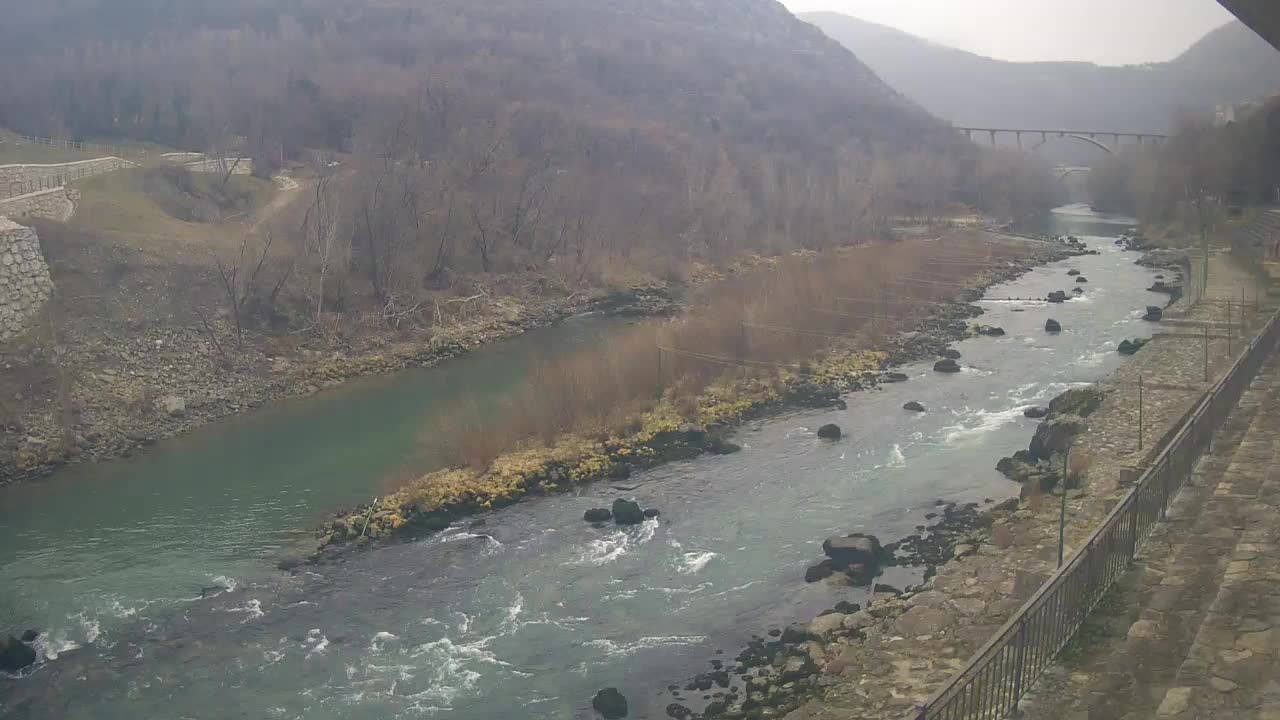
752, 324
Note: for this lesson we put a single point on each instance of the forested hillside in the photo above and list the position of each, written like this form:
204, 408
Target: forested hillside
1231, 64
515, 132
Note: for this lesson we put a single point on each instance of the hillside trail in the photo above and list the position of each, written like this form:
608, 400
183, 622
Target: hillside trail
289, 190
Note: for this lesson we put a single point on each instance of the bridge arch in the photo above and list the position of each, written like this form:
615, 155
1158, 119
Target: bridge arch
1074, 136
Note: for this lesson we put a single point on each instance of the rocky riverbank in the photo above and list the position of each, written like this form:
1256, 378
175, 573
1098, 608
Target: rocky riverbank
882, 661
433, 502
106, 396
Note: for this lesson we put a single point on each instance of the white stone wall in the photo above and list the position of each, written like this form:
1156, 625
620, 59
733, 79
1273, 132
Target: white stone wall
25, 285
244, 167
56, 204
23, 179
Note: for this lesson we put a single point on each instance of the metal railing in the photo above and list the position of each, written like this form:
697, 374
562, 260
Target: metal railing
116, 150
15, 188
998, 675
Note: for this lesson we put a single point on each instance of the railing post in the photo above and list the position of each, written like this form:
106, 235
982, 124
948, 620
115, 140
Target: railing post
1019, 663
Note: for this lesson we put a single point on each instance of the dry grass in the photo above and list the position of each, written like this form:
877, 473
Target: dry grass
786, 317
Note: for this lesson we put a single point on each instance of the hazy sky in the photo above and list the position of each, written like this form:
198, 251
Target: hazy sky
1109, 32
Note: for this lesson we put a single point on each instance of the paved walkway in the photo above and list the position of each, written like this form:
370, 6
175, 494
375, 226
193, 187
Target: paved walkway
1194, 630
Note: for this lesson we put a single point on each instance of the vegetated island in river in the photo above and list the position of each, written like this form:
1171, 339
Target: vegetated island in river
799, 333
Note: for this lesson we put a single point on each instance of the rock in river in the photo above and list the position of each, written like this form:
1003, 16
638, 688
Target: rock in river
990, 331
895, 377
627, 512
1131, 347
1052, 326
830, 431
15, 655
1057, 296
1055, 436
914, 406
610, 703
1154, 314
1082, 279
595, 515
950, 354
854, 549
1073, 272
946, 366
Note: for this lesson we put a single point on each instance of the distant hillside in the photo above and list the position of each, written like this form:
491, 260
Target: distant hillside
1230, 64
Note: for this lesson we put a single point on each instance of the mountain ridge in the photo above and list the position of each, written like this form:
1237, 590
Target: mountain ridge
1229, 64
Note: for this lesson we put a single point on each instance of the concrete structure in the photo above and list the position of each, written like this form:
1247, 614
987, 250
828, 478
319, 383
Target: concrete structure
55, 204
28, 178
1262, 16
1088, 136
25, 285
238, 166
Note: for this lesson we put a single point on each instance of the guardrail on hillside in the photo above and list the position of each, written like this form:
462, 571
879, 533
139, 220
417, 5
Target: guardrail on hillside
116, 150
998, 675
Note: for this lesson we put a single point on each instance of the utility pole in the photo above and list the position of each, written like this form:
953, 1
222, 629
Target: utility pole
1062, 509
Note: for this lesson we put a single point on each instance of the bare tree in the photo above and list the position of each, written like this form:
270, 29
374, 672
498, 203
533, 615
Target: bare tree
320, 227
239, 281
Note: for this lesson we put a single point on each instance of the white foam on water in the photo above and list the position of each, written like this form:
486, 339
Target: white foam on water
223, 581
693, 562
252, 610
318, 642
511, 620
272, 656
977, 423
379, 639
50, 645
491, 544
451, 670
90, 627
605, 550
464, 623
896, 458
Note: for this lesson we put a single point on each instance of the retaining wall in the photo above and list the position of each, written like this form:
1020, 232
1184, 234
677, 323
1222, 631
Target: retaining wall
25, 285
26, 178
56, 204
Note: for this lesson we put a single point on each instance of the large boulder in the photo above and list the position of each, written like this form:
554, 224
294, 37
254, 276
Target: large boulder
1082, 279
830, 431
627, 512
1052, 326
856, 549
821, 571
922, 620
1073, 272
990, 331
1131, 347
610, 703
1055, 436
946, 366
597, 515
895, 377
950, 354
1036, 412
1057, 296
1081, 401
1154, 314
914, 406
15, 655
172, 405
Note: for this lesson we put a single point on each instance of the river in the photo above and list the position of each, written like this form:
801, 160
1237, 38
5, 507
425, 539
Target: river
530, 613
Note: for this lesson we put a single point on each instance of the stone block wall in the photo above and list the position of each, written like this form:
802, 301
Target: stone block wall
244, 167
23, 179
56, 204
25, 285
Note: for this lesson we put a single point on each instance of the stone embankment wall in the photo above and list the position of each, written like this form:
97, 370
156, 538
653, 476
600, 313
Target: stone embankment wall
243, 167
24, 179
25, 285
56, 204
